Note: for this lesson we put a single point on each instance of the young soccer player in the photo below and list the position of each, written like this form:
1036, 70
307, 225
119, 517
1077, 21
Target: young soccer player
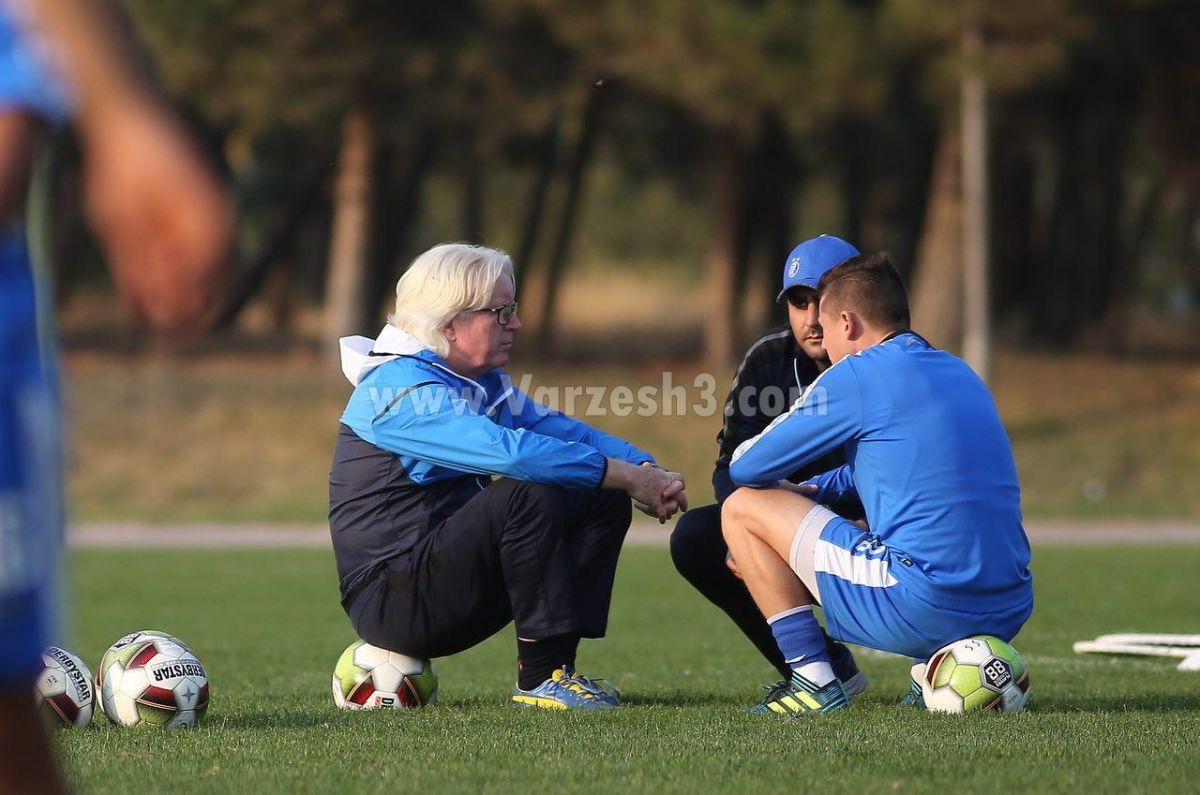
165, 224
945, 555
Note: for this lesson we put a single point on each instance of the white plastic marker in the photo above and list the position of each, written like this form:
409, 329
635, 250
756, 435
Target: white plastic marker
1186, 647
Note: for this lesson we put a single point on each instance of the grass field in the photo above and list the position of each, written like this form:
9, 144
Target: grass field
269, 629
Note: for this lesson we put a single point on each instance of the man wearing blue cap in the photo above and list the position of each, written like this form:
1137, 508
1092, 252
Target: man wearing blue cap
774, 372
945, 556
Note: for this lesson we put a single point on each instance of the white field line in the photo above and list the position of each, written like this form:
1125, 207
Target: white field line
643, 533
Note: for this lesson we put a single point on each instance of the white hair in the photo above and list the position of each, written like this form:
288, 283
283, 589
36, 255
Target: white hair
447, 279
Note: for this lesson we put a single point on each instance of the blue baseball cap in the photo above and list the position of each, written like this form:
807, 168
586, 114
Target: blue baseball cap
808, 261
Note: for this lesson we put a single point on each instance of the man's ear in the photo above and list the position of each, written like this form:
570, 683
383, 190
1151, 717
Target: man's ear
450, 332
854, 326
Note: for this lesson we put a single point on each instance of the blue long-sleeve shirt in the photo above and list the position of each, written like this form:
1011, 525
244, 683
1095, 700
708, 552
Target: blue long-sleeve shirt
929, 458
444, 426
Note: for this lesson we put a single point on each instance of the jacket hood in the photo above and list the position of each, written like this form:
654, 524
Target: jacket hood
391, 343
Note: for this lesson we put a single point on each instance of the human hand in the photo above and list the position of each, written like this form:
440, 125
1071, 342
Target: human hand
656, 492
803, 489
731, 564
162, 217
676, 492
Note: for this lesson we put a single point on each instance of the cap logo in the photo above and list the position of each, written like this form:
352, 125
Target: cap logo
793, 268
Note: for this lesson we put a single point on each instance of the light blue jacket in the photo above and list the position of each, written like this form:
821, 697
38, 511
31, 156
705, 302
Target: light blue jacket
929, 458
443, 425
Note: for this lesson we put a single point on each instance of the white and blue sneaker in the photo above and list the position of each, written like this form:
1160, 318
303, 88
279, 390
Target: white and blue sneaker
846, 669
566, 689
915, 697
799, 697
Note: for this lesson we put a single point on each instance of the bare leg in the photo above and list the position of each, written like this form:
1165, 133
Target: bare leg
26, 761
759, 526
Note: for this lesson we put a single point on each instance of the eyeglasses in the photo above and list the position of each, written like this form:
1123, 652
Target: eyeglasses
504, 314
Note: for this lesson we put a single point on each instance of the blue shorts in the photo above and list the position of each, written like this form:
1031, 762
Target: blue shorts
848, 571
30, 492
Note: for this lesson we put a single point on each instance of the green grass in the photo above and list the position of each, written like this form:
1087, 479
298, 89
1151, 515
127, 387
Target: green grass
268, 626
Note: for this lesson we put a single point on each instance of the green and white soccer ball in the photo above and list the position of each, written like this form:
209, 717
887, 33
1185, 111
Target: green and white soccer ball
976, 674
150, 678
65, 688
368, 677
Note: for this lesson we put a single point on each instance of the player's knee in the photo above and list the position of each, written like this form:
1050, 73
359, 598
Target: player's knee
733, 514
696, 541
684, 549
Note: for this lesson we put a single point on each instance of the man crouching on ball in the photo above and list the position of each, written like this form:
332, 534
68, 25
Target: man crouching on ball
946, 556
433, 555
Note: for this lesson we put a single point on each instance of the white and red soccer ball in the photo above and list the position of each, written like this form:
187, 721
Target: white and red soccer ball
152, 678
368, 677
65, 688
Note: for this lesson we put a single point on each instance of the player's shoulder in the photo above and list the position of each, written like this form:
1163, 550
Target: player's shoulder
775, 344
894, 348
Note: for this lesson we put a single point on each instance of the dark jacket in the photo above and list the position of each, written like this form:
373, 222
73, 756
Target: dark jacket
771, 377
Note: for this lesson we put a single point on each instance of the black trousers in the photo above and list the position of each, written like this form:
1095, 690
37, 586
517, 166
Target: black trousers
542, 555
698, 549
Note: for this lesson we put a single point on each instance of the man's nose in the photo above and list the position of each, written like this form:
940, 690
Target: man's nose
810, 314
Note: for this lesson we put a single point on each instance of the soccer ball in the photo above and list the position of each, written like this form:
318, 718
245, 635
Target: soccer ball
65, 688
152, 678
976, 674
368, 677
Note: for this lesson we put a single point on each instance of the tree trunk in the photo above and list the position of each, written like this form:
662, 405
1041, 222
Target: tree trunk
918, 139
1057, 292
764, 238
395, 208
765, 183
473, 190
535, 207
576, 172
349, 248
1012, 224
937, 285
719, 265
855, 173
977, 326
1112, 145
1123, 279
279, 242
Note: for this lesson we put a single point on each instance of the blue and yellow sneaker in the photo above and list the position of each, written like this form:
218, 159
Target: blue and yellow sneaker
854, 681
566, 689
800, 697
914, 697
601, 687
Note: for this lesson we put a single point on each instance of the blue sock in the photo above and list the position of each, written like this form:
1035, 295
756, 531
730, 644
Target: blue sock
803, 644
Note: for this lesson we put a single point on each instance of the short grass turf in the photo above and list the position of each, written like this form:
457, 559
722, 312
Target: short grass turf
268, 626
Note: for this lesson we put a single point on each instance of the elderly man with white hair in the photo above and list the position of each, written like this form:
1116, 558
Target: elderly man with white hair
433, 555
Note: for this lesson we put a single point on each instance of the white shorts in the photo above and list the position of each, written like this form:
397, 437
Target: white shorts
802, 557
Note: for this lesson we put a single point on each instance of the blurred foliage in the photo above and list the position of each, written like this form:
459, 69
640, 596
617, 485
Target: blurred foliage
488, 118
